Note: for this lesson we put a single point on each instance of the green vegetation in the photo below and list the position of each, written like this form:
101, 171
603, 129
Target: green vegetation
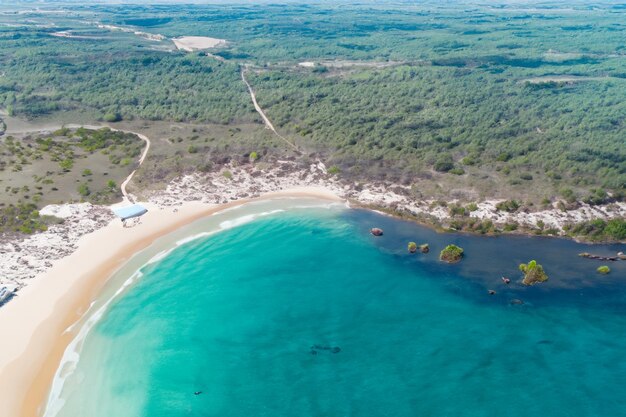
63, 166
253, 156
334, 170
533, 273
451, 254
599, 230
412, 247
510, 206
424, 248
84, 190
603, 269
23, 218
489, 97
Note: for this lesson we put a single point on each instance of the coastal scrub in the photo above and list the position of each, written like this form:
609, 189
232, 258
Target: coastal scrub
604, 269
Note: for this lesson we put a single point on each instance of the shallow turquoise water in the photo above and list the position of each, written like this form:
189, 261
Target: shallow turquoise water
238, 315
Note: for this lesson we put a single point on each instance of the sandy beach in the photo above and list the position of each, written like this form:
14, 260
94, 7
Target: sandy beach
34, 326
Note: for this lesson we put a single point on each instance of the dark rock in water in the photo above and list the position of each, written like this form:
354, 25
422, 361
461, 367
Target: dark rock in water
316, 348
491, 292
197, 393
544, 342
516, 301
621, 255
424, 248
376, 231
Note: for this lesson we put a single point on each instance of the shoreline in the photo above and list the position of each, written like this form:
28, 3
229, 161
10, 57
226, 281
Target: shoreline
36, 322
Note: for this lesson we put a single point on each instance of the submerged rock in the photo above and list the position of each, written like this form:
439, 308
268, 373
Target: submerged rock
516, 301
376, 231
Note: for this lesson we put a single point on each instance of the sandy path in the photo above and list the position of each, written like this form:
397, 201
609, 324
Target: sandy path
266, 120
143, 157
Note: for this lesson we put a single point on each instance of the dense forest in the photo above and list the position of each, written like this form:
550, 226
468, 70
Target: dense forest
504, 100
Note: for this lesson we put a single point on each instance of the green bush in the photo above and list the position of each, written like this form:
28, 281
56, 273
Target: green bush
533, 273
112, 117
510, 206
604, 269
334, 170
84, 190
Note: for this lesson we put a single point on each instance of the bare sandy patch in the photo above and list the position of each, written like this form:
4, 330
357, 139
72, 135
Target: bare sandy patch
195, 43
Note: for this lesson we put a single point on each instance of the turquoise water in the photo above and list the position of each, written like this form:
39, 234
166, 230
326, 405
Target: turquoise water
303, 313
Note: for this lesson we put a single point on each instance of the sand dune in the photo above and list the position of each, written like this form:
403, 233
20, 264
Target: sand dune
195, 43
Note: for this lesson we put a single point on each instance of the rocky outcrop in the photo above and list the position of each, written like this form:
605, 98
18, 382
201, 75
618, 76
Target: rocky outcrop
451, 254
376, 231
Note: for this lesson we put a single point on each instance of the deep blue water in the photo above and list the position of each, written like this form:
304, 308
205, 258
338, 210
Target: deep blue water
304, 313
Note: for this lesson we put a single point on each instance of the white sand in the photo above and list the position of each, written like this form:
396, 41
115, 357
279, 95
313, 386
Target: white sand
195, 43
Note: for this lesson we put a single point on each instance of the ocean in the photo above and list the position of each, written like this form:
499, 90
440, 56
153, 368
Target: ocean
291, 308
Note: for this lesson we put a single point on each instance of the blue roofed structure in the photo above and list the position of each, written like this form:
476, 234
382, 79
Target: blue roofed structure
129, 212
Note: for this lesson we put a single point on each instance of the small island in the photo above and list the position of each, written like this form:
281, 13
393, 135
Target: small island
424, 248
451, 254
412, 247
603, 269
533, 273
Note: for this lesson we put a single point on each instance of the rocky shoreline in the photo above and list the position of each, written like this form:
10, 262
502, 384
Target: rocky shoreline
24, 258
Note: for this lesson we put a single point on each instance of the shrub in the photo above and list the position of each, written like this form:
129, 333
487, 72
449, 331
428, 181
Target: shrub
457, 171
87, 172
253, 156
412, 247
112, 117
334, 170
456, 210
472, 207
533, 273
604, 269
509, 206
227, 174
192, 149
66, 165
84, 190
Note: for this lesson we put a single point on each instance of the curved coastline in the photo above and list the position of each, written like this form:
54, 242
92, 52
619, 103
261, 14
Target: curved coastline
41, 323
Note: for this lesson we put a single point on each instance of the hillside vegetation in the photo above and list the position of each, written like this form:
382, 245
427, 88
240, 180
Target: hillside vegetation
467, 101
